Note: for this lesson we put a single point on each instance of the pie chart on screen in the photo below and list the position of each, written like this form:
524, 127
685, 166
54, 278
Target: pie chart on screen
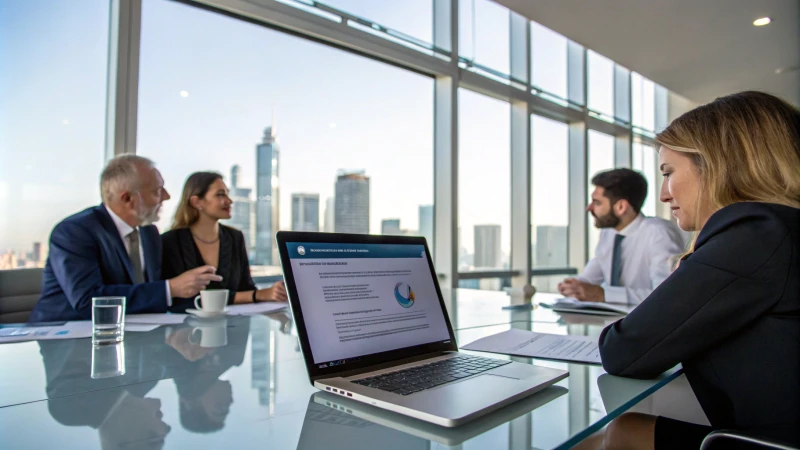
404, 295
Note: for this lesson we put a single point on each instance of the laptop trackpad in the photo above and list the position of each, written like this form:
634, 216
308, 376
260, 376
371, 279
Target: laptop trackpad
465, 397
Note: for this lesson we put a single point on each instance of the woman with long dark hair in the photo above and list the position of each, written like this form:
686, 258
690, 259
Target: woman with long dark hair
197, 239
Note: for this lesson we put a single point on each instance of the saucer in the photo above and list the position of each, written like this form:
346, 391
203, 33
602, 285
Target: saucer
206, 314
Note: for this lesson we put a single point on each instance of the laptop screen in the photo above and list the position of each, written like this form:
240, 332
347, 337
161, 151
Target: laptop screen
363, 299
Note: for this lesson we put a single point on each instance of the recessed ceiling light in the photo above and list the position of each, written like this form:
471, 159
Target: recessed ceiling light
184, 93
65, 122
762, 21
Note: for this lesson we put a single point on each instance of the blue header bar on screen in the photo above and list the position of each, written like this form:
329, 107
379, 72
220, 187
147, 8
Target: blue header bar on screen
313, 250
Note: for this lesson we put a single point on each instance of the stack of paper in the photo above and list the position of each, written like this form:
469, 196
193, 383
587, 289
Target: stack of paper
256, 309
573, 305
540, 345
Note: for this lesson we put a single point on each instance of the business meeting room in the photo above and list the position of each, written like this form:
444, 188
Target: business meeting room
400, 224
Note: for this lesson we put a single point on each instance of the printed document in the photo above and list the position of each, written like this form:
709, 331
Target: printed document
516, 342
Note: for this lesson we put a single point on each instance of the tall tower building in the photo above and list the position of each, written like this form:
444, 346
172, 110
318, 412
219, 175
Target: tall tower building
352, 203
391, 227
426, 223
305, 212
551, 246
36, 256
267, 198
242, 208
330, 207
487, 246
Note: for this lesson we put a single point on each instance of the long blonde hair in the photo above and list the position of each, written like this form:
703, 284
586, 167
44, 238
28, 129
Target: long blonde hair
745, 147
197, 184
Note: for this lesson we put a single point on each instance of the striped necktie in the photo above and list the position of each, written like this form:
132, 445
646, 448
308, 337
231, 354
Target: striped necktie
616, 261
134, 255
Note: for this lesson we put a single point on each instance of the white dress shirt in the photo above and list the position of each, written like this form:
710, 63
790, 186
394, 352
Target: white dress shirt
124, 230
649, 249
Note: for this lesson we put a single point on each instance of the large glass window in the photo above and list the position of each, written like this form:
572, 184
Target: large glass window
53, 64
217, 93
484, 186
549, 61
410, 17
644, 160
483, 34
643, 100
601, 157
550, 199
600, 72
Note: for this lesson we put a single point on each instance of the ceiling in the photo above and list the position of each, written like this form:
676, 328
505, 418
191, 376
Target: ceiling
700, 49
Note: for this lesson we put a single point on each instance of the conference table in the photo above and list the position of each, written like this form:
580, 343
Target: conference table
248, 388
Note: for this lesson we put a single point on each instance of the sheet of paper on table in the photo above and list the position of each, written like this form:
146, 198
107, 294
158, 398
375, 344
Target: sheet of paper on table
70, 330
517, 342
255, 309
155, 319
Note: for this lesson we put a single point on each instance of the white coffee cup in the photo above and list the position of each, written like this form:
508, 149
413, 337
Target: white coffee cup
212, 300
212, 334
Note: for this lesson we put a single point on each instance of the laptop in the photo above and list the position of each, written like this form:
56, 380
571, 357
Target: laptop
344, 423
373, 327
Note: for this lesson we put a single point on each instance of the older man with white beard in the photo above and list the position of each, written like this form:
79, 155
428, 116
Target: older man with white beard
114, 250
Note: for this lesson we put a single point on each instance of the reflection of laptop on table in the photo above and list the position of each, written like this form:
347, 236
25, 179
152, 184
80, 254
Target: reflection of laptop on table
373, 327
573, 305
347, 424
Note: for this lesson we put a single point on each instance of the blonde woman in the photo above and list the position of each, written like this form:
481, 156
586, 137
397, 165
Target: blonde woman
730, 312
198, 239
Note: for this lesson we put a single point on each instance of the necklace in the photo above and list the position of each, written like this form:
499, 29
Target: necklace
205, 241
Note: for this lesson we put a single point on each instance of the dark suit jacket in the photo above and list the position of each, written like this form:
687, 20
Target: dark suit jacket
731, 315
181, 254
88, 259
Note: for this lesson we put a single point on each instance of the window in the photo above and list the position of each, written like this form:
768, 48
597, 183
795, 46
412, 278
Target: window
643, 95
644, 160
413, 18
483, 34
549, 61
550, 200
364, 131
484, 186
53, 64
601, 157
600, 72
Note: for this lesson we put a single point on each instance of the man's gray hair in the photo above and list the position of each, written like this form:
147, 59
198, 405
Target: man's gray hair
122, 174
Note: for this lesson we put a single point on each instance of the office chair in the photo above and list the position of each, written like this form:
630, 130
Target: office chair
720, 435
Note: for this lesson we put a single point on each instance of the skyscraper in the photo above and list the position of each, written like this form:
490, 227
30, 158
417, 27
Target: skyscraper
330, 207
36, 256
487, 246
391, 227
551, 246
267, 198
242, 208
426, 223
305, 212
352, 203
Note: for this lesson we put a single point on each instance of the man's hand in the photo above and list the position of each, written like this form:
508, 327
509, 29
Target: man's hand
190, 283
274, 293
586, 292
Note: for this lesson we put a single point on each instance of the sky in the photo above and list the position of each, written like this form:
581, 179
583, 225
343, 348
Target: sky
332, 110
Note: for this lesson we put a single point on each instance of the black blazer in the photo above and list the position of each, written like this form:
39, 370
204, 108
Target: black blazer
181, 254
730, 314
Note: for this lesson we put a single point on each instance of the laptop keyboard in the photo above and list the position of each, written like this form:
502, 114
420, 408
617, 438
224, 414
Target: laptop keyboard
415, 379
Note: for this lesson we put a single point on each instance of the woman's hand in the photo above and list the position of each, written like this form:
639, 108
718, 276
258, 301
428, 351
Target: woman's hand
274, 293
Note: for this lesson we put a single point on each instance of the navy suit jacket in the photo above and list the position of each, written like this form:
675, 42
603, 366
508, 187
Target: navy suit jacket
88, 259
731, 315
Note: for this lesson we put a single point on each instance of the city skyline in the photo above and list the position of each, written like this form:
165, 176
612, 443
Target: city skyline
322, 128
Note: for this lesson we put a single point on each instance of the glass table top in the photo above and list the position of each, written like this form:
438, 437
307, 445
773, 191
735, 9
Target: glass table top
253, 391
